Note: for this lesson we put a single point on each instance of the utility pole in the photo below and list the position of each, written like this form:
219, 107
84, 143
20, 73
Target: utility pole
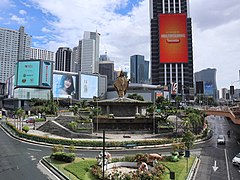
103, 155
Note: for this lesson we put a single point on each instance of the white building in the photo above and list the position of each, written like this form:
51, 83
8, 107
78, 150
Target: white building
43, 54
14, 45
87, 56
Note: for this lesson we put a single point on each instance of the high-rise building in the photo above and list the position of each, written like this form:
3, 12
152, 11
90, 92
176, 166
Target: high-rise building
43, 54
14, 45
86, 56
171, 44
224, 93
63, 59
107, 68
208, 76
139, 69
76, 60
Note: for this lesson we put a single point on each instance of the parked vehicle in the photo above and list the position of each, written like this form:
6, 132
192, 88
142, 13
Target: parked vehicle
221, 139
236, 160
29, 120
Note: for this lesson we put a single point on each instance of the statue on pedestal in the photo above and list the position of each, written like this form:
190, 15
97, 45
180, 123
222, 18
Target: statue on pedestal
121, 85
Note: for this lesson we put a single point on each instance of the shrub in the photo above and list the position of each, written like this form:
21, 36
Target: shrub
62, 156
71, 149
25, 129
58, 148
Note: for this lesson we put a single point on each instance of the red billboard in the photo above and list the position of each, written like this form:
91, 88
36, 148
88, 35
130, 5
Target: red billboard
173, 38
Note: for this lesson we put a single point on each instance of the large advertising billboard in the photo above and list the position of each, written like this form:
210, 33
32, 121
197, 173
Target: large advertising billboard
173, 46
88, 86
208, 89
46, 79
64, 86
28, 73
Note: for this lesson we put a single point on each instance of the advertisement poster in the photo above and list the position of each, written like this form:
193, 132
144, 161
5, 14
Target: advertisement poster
46, 74
208, 89
173, 46
64, 86
89, 86
28, 73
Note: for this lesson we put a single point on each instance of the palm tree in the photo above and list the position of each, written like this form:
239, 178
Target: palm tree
20, 113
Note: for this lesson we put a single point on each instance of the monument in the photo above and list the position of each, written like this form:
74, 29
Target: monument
121, 85
123, 114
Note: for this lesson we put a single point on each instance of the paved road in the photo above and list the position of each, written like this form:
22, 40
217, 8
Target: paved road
216, 159
21, 160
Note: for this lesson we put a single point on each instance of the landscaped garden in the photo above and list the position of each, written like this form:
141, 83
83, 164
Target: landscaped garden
158, 169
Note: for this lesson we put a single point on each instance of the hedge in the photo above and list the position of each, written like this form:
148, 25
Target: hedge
87, 143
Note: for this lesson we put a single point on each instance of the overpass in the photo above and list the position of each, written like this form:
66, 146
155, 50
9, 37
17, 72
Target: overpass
232, 113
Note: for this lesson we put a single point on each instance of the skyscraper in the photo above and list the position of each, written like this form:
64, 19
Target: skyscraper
63, 60
171, 44
87, 55
208, 76
14, 45
139, 69
106, 67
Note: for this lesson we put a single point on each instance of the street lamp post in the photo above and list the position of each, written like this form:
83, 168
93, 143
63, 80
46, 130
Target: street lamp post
97, 114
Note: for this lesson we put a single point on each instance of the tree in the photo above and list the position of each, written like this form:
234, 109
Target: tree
20, 113
188, 139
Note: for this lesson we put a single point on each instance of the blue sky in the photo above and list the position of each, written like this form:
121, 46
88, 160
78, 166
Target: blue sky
124, 26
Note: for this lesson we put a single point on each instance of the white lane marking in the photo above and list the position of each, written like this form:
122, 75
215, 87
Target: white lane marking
33, 158
30, 149
226, 158
215, 166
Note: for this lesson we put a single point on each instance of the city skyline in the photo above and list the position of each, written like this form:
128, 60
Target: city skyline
125, 29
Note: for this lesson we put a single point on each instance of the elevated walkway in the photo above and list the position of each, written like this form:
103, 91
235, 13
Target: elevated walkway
231, 113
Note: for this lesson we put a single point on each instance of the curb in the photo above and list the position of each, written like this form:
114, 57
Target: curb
193, 171
53, 169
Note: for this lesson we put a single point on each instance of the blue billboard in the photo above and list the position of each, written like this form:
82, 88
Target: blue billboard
46, 79
28, 73
208, 89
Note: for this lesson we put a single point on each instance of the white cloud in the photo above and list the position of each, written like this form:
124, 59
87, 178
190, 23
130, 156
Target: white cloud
122, 36
19, 20
5, 4
215, 31
22, 12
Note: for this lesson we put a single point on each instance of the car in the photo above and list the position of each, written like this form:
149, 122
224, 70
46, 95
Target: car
29, 120
236, 160
221, 139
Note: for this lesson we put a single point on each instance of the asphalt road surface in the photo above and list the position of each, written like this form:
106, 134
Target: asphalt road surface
216, 160
20, 161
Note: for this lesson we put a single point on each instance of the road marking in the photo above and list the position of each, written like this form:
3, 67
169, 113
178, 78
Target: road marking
215, 166
226, 158
30, 149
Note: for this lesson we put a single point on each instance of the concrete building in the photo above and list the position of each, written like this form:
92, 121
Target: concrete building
208, 76
43, 54
224, 93
107, 68
86, 54
63, 60
139, 69
171, 45
14, 45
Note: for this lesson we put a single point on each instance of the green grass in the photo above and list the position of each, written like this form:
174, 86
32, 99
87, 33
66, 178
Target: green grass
79, 169
180, 168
